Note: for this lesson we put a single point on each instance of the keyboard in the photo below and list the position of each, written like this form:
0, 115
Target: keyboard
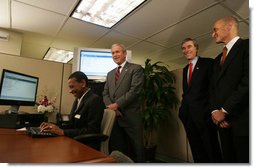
35, 132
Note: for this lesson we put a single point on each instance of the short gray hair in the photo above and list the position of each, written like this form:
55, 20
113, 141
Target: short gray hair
120, 45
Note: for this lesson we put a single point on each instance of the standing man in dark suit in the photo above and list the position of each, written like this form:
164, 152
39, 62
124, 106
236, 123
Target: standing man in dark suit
230, 91
87, 110
194, 110
122, 94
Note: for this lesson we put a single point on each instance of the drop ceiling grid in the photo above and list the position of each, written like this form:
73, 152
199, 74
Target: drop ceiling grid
28, 18
63, 7
192, 27
5, 14
157, 15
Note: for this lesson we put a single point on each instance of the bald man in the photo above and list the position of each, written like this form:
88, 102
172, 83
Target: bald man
230, 91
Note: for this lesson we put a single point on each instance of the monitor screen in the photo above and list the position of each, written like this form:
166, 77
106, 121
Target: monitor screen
95, 62
17, 89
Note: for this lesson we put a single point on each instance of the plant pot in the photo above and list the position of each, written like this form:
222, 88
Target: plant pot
150, 153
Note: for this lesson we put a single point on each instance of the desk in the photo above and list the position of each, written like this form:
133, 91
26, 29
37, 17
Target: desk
18, 147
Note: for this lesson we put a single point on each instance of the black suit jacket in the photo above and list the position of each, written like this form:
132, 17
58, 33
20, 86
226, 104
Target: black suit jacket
230, 87
87, 118
195, 98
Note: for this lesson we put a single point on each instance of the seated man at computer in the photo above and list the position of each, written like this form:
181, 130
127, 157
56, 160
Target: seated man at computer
87, 110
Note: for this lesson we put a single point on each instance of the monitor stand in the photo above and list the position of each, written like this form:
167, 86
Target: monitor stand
13, 110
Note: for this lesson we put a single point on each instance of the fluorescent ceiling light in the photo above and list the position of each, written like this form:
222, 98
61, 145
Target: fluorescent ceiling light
105, 12
58, 55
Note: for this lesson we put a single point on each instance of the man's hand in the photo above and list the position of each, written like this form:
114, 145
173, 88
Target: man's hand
224, 124
218, 116
52, 128
114, 106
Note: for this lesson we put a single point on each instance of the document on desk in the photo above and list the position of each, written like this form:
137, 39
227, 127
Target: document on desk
21, 129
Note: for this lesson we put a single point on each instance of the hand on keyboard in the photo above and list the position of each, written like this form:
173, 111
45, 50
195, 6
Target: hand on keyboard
52, 128
36, 132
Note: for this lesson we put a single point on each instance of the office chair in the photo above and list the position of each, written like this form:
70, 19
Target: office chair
120, 157
103, 137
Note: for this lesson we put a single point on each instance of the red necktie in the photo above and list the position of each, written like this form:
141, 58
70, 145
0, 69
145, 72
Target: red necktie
190, 73
224, 54
117, 73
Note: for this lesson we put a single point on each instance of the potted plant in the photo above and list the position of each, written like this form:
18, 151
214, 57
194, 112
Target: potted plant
159, 99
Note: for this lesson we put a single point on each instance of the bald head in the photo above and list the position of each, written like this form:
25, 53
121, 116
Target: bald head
232, 21
225, 29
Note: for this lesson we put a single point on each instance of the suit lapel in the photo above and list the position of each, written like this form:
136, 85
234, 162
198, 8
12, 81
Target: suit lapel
195, 71
185, 83
82, 103
112, 79
74, 106
231, 55
122, 75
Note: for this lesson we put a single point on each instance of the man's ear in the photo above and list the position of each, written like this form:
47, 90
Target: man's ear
83, 83
229, 26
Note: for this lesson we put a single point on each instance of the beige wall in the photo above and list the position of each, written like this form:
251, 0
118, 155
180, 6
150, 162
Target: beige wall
67, 98
13, 44
52, 77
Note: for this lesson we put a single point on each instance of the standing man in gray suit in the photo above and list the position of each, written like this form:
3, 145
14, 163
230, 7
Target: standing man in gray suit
122, 94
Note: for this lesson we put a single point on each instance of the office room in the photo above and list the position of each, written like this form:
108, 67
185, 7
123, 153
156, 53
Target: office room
32, 31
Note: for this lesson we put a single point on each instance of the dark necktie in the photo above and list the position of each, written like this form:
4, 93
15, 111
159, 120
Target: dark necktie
224, 54
117, 73
190, 73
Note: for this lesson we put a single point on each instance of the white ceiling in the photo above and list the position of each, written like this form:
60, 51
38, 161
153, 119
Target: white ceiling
155, 30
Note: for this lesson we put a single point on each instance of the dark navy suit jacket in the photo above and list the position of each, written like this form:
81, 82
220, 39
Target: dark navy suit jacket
195, 98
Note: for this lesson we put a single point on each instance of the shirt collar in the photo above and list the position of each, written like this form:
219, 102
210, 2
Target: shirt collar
79, 100
122, 65
194, 61
231, 43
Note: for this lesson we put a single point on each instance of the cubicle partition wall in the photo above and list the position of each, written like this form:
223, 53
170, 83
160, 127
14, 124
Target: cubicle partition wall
52, 80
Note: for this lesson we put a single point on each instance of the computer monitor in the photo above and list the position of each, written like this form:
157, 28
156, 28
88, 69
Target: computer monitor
95, 62
17, 89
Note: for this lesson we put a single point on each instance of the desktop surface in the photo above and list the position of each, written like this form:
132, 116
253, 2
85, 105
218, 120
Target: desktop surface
18, 147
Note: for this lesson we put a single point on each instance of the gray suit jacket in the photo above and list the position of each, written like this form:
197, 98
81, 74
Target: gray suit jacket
126, 93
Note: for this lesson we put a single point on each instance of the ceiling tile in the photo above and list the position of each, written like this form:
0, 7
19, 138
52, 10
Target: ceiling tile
59, 6
67, 44
154, 31
156, 15
205, 43
33, 19
143, 50
76, 30
4, 14
190, 27
239, 6
169, 54
112, 38
244, 30
213, 51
